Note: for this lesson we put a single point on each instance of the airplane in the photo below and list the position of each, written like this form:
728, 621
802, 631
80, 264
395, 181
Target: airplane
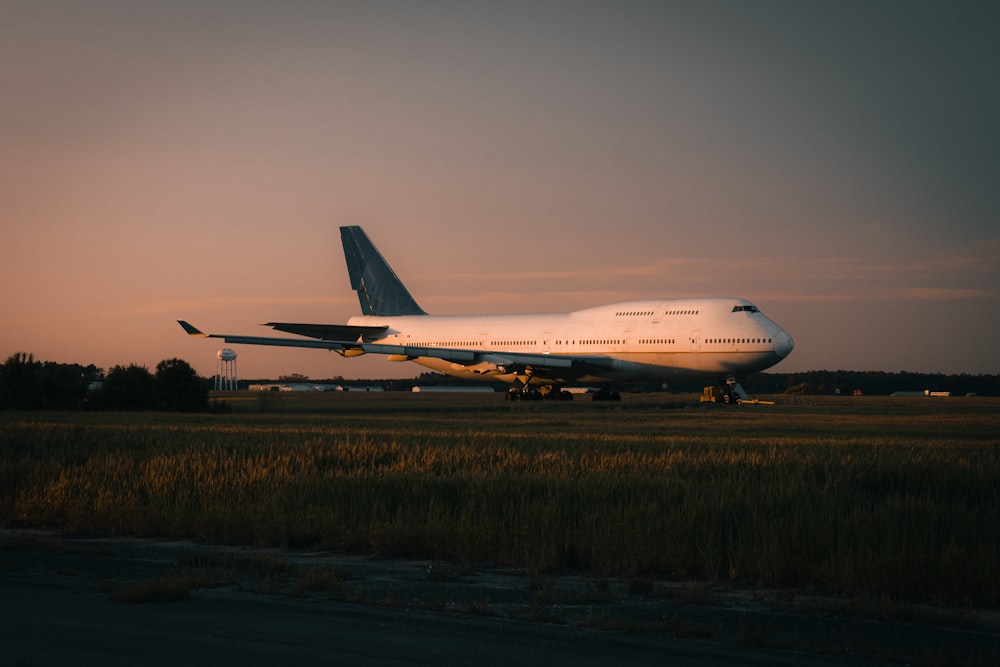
663, 340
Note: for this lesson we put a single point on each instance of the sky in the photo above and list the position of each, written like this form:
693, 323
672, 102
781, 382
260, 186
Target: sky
837, 163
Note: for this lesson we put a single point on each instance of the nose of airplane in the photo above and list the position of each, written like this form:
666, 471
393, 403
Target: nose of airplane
783, 344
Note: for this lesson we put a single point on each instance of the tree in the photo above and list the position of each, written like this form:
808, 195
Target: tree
63, 386
129, 387
26, 384
179, 388
19, 385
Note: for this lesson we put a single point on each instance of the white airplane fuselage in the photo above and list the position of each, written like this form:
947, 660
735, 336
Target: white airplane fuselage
661, 340
649, 340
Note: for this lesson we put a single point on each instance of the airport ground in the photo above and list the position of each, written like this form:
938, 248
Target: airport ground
78, 596
108, 601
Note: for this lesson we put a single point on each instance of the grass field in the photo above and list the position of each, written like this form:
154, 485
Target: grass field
897, 499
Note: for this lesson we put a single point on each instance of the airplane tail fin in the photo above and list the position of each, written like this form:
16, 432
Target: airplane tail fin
380, 291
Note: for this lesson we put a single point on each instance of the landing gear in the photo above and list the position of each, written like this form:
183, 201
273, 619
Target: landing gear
605, 394
556, 394
524, 392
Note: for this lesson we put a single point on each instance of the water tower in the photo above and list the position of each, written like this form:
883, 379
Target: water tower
225, 378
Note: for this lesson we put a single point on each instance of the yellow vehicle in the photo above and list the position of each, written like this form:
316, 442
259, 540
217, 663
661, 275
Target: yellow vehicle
709, 395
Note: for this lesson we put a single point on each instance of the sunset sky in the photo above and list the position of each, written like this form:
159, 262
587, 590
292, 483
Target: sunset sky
837, 163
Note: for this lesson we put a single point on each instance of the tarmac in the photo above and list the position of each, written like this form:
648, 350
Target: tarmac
88, 600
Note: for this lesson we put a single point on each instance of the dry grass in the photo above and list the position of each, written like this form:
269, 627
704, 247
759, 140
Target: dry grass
887, 497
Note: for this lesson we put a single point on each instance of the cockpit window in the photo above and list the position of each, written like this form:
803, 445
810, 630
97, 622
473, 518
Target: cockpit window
748, 309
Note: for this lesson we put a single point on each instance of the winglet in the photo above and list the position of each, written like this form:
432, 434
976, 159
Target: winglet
191, 331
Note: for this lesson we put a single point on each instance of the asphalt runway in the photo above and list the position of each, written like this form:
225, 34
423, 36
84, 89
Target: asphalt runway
65, 620
55, 609
50, 620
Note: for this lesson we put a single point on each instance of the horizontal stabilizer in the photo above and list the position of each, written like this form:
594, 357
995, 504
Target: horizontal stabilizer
327, 331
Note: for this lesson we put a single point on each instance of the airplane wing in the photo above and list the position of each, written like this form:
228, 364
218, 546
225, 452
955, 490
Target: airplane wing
347, 338
552, 367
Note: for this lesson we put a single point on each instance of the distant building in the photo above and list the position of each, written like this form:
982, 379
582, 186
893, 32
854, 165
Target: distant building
295, 386
444, 388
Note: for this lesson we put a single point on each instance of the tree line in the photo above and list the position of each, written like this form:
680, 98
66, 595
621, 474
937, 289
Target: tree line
877, 383
27, 384
844, 383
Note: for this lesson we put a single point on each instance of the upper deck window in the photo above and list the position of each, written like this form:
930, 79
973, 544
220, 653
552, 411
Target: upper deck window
749, 309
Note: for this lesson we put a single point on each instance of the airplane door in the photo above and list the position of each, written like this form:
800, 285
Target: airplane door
658, 313
547, 342
695, 340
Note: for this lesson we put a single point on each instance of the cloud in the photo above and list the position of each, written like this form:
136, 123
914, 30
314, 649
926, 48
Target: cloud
589, 272
886, 294
945, 293
180, 307
946, 276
